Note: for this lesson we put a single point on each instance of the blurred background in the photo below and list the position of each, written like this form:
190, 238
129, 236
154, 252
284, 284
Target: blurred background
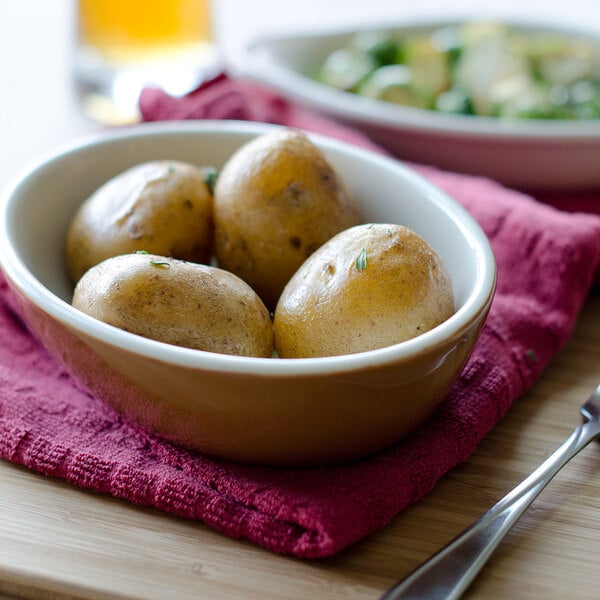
39, 103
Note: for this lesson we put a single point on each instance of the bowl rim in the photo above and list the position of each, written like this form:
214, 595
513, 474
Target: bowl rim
83, 325
256, 63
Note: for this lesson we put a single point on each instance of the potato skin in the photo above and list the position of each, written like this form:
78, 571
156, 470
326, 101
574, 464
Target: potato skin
277, 199
173, 301
370, 286
162, 207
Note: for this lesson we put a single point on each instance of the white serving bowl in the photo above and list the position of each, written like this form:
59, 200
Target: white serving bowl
528, 154
273, 411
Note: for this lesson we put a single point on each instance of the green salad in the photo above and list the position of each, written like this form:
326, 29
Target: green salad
487, 69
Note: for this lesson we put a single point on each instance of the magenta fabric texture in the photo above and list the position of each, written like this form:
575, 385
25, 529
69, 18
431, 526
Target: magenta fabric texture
547, 260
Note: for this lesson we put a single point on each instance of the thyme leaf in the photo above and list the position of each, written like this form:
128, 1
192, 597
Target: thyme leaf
532, 356
162, 264
361, 261
210, 174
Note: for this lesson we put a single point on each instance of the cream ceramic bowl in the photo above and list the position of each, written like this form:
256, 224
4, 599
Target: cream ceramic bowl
257, 410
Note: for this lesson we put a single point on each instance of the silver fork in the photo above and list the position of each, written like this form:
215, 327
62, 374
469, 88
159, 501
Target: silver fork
447, 574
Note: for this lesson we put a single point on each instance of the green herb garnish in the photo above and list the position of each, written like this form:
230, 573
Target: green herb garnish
532, 356
361, 261
210, 175
163, 264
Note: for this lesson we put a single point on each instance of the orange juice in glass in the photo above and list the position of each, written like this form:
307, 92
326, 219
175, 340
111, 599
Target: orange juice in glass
123, 45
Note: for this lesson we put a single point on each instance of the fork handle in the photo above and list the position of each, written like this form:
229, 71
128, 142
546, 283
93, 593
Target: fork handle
447, 574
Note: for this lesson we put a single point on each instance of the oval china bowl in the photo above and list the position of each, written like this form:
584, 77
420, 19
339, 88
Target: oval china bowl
534, 154
257, 410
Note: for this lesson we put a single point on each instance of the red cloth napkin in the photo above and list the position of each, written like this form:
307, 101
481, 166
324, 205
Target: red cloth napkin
546, 263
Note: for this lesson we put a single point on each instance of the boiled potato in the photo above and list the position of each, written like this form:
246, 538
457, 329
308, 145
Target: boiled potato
163, 207
370, 286
177, 302
277, 199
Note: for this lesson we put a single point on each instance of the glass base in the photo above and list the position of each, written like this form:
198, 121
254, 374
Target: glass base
109, 92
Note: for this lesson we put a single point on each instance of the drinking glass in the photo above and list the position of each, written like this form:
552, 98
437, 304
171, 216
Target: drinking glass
123, 46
